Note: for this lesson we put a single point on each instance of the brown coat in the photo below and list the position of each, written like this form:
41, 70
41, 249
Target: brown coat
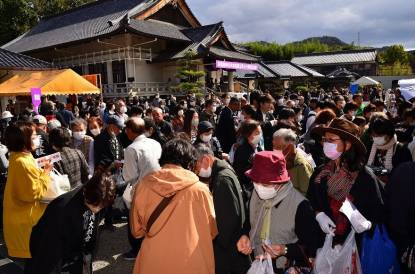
180, 240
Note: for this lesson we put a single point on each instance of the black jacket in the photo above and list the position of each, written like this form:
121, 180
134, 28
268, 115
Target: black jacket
267, 128
400, 206
243, 157
230, 217
106, 152
367, 197
225, 131
58, 236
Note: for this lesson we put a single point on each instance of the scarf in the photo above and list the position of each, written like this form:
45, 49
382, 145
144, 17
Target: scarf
339, 181
263, 223
389, 153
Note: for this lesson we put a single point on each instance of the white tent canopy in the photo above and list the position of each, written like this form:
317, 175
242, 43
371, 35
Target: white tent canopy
407, 88
365, 81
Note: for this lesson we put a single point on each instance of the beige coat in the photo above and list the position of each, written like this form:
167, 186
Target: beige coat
180, 240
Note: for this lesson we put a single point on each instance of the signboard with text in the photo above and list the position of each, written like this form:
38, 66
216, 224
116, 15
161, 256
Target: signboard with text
36, 95
236, 65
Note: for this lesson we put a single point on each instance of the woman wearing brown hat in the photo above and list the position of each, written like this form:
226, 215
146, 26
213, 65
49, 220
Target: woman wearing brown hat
344, 176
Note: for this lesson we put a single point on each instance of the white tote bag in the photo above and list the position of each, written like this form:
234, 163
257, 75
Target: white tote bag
127, 196
59, 184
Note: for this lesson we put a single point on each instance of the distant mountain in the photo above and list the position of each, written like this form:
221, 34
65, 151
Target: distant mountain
328, 40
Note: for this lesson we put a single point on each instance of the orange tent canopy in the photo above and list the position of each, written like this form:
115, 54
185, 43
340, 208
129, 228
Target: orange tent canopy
51, 82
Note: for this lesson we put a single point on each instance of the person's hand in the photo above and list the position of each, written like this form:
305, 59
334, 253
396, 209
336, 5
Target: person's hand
225, 156
47, 168
326, 224
244, 245
274, 250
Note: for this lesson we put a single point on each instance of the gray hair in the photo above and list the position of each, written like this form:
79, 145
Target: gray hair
79, 122
203, 150
287, 134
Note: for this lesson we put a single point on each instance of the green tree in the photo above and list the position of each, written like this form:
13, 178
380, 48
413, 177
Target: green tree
395, 53
18, 16
189, 74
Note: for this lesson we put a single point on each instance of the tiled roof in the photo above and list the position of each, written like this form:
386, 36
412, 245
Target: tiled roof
282, 69
338, 57
89, 21
232, 55
286, 69
13, 61
158, 29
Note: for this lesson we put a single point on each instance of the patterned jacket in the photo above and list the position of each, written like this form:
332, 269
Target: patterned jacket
74, 165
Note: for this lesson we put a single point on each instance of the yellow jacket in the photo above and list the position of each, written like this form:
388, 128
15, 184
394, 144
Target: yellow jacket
26, 184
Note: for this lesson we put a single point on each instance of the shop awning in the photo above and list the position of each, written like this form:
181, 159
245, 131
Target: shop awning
53, 82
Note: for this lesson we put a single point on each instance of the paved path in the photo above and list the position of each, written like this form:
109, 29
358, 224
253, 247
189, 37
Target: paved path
108, 261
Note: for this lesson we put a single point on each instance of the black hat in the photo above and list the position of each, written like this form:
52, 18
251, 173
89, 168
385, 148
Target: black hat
115, 120
204, 126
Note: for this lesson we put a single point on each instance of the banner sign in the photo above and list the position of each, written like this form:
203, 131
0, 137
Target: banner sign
236, 65
354, 89
53, 158
36, 94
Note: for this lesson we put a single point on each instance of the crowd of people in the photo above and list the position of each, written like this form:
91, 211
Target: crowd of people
209, 183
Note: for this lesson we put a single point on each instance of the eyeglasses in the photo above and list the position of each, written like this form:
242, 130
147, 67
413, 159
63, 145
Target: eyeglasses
330, 140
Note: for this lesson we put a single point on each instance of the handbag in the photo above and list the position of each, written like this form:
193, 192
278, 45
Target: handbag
127, 196
379, 253
59, 184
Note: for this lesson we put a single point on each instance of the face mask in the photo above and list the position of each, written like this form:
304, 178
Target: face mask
205, 173
192, 104
195, 122
147, 134
79, 135
353, 113
379, 140
185, 106
36, 142
206, 138
123, 109
227, 101
180, 112
95, 131
257, 139
111, 112
213, 109
265, 193
280, 102
300, 117
330, 150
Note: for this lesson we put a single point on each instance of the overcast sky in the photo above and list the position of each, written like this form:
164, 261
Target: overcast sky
380, 22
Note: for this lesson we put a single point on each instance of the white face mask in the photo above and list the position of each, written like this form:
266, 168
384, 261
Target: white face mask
300, 117
265, 193
36, 142
123, 109
147, 134
79, 135
206, 138
330, 150
353, 113
257, 139
180, 112
379, 140
214, 109
95, 131
280, 102
205, 173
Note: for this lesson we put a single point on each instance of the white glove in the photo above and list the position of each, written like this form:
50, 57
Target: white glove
359, 222
326, 224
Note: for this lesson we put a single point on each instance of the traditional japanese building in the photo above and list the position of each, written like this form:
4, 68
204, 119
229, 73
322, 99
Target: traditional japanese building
362, 62
133, 44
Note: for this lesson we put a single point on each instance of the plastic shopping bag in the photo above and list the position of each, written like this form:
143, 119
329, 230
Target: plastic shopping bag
59, 184
379, 254
127, 196
118, 179
340, 259
262, 266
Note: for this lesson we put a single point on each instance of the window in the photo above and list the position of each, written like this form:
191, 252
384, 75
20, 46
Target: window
118, 71
100, 68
